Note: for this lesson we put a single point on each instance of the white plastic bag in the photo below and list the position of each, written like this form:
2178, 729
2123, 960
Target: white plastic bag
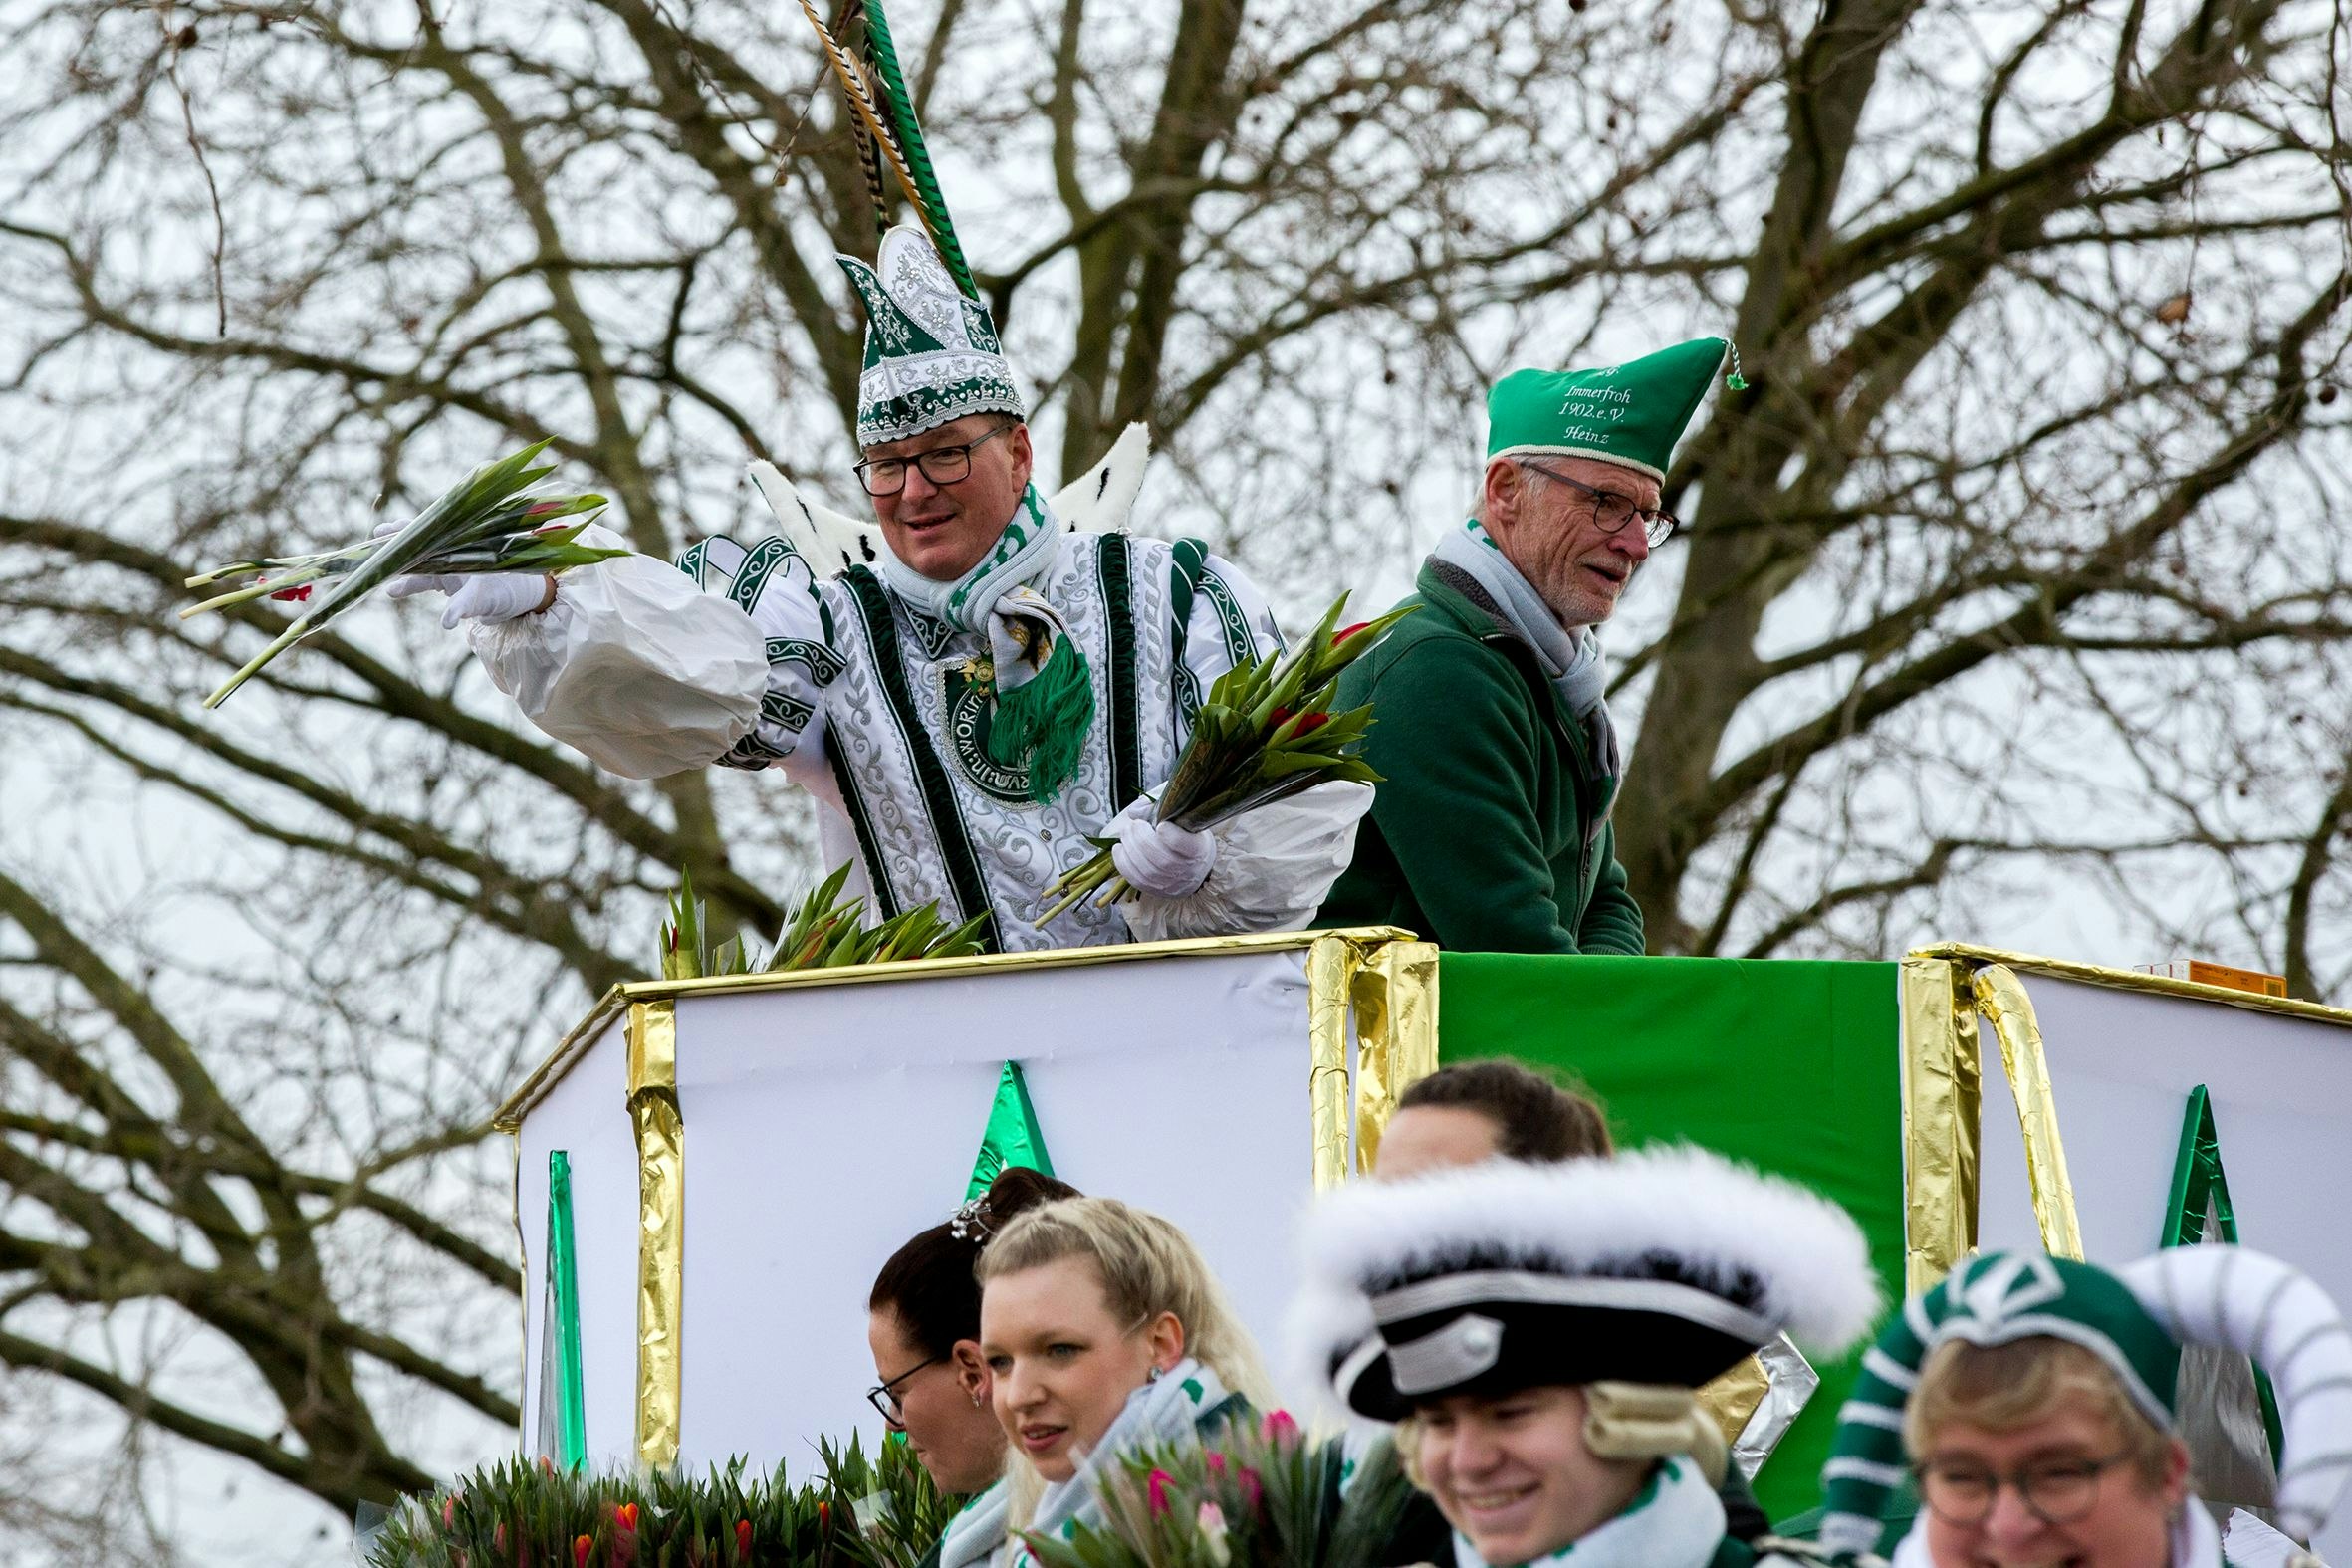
633, 665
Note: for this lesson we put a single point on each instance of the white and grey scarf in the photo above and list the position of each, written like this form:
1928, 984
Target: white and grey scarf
1166, 1410
1676, 1522
1573, 662
976, 1532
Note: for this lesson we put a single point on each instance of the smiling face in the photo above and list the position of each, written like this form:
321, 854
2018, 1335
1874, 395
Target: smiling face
1548, 532
1513, 1474
2126, 1515
943, 1408
944, 531
1060, 1364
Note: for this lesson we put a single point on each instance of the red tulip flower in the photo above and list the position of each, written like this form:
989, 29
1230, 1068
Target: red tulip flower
1155, 1489
624, 1515
581, 1546
743, 1540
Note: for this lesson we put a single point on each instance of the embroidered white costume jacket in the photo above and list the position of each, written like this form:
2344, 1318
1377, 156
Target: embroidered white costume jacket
744, 654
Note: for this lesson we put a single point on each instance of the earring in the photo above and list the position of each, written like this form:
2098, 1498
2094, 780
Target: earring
1153, 1376
977, 1401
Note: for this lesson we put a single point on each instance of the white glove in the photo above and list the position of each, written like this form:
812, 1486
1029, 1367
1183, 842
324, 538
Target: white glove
478, 595
473, 595
1160, 858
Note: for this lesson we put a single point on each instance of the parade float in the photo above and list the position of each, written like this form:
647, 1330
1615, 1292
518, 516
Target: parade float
710, 1171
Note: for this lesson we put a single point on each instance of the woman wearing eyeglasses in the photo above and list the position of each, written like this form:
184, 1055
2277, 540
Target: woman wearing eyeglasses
923, 1324
2036, 1397
1104, 1330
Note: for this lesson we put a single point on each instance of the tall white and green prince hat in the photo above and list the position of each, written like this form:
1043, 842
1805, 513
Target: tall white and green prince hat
2136, 1321
931, 351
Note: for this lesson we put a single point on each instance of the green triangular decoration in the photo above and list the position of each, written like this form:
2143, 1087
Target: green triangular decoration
563, 1413
2201, 1199
1012, 1138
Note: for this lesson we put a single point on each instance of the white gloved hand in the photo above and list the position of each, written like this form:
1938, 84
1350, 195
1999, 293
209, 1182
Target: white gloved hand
473, 595
1160, 858
479, 596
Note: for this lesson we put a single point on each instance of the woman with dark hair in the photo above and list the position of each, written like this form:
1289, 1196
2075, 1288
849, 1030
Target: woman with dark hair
923, 1325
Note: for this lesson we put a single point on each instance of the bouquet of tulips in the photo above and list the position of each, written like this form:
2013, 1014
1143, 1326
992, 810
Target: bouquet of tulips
825, 931
1266, 733
1263, 1495
497, 520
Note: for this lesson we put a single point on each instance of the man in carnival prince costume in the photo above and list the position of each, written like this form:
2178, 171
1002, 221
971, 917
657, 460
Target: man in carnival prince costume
974, 689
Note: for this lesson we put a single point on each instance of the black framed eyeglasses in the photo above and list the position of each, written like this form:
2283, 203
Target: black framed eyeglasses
2057, 1492
883, 1396
1613, 511
942, 465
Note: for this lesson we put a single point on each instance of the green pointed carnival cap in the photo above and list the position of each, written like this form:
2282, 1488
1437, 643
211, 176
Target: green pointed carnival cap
1629, 413
931, 351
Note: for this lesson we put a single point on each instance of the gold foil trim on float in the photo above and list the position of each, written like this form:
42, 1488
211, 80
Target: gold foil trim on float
1941, 1085
1385, 982
661, 1228
2135, 980
1395, 995
2001, 997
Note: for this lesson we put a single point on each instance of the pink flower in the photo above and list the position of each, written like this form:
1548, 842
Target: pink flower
1216, 1461
1212, 1535
1281, 1427
1252, 1487
449, 1513
1155, 1489
292, 595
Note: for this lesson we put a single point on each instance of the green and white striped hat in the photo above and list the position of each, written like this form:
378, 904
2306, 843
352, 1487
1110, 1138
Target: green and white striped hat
2136, 1321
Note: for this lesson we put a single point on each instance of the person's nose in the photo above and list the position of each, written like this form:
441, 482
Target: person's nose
1632, 542
2008, 1521
918, 485
1472, 1454
1016, 1390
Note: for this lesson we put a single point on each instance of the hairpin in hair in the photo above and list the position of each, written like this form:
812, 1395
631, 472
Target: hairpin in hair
971, 1221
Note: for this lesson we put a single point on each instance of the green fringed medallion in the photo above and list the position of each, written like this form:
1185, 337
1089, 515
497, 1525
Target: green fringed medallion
1044, 720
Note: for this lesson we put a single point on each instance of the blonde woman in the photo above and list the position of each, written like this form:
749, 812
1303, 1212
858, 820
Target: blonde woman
1102, 1330
2036, 1397
1540, 1332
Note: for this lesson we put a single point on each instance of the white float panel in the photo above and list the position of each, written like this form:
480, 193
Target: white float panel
2122, 1065
827, 1124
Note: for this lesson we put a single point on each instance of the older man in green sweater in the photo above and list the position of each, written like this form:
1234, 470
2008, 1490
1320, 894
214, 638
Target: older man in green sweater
1491, 831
